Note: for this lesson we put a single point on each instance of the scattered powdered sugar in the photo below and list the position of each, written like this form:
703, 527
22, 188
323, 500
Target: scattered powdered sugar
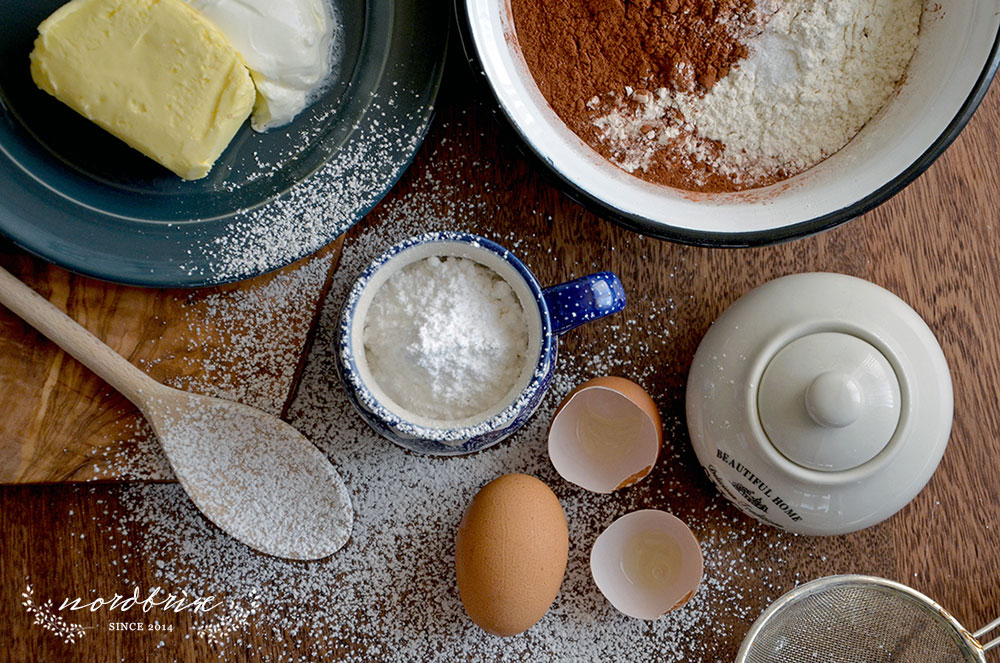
446, 338
318, 209
241, 368
238, 366
390, 593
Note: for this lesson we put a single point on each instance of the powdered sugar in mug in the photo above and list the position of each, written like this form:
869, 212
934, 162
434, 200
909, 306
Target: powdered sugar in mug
448, 342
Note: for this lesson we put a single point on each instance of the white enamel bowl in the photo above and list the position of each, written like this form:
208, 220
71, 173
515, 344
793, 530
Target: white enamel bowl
954, 63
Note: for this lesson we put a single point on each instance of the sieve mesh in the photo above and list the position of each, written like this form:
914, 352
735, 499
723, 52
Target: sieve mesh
857, 623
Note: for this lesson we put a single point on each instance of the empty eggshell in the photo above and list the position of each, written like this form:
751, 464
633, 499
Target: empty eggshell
647, 563
605, 435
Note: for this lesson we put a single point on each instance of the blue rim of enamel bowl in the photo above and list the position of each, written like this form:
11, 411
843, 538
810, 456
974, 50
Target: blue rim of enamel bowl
507, 417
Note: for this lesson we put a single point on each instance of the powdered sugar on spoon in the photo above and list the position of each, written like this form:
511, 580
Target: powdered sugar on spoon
253, 475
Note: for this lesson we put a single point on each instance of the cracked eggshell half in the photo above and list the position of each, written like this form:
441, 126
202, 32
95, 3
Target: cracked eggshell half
605, 435
647, 563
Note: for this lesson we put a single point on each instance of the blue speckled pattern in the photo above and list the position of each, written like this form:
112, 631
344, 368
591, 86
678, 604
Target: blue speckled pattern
587, 298
577, 302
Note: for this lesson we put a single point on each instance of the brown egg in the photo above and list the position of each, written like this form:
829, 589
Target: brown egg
510, 554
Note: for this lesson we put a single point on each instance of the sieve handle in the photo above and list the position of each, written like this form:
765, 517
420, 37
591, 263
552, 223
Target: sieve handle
981, 633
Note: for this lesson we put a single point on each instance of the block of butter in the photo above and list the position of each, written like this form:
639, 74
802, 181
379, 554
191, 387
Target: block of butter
152, 72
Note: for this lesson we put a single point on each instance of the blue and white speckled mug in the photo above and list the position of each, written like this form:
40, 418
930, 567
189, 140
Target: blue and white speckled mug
550, 312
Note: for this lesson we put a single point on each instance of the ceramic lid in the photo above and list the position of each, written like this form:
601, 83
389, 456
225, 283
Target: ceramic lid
829, 401
819, 403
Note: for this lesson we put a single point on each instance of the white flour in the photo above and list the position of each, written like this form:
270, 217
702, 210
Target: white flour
446, 339
817, 73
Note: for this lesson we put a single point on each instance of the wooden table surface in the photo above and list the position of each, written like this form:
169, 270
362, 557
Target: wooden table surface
934, 245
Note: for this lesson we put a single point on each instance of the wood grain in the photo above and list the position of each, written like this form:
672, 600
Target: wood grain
62, 422
933, 245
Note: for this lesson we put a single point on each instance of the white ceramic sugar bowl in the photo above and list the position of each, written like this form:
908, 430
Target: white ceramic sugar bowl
819, 403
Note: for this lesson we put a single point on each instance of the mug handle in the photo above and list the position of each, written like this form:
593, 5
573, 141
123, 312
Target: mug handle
584, 299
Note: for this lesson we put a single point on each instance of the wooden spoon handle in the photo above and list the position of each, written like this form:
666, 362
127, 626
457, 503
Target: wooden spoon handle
77, 341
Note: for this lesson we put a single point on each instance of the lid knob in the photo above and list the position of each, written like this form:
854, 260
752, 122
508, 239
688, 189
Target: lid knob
829, 401
833, 400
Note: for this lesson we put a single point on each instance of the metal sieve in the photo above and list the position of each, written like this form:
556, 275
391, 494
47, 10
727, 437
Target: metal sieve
860, 619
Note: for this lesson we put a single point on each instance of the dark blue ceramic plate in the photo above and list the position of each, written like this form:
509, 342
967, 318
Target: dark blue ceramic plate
74, 195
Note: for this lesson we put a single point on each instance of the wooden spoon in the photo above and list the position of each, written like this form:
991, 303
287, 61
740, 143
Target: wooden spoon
253, 475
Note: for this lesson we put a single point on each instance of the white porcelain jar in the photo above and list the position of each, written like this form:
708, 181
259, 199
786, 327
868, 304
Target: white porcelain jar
819, 403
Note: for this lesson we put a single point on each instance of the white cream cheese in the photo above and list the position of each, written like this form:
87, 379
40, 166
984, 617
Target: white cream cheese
286, 46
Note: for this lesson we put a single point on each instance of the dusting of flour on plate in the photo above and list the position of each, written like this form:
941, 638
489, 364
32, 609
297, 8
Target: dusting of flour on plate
318, 209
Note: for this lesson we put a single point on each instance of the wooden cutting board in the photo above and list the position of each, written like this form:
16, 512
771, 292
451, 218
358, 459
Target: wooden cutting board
63, 423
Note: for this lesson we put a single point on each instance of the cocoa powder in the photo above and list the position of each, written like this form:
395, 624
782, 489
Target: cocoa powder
588, 56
